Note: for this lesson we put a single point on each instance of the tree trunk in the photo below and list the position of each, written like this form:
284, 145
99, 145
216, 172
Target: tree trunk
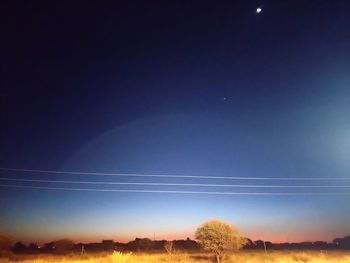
217, 258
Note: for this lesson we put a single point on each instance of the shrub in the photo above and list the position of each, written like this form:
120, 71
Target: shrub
63, 246
219, 237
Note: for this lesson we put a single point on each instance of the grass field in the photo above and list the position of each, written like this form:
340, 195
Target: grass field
244, 257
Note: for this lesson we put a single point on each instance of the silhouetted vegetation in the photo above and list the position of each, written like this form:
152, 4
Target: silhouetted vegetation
5, 245
63, 246
145, 244
169, 247
342, 243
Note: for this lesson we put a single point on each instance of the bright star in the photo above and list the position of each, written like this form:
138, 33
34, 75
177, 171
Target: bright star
258, 10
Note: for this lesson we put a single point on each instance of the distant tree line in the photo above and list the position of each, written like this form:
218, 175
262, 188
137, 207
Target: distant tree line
64, 246
338, 243
145, 244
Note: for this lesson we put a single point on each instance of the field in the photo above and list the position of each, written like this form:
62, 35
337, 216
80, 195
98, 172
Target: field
244, 257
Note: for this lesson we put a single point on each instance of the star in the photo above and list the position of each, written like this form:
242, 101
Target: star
258, 10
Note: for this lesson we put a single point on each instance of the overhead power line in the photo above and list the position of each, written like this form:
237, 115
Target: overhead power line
170, 184
176, 175
172, 191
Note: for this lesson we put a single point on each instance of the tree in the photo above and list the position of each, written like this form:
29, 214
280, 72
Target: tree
145, 244
140, 244
5, 245
219, 238
19, 247
63, 246
343, 243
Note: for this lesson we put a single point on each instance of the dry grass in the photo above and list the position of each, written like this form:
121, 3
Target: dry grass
244, 257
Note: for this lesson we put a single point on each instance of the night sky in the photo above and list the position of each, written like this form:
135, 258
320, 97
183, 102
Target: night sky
189, 88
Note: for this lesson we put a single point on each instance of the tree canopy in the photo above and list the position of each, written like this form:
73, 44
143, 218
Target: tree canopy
219, 237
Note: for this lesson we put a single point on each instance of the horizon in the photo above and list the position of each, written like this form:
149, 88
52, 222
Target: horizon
125, 241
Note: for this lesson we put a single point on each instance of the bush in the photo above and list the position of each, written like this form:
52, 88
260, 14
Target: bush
218, 238
169, 247
63, 246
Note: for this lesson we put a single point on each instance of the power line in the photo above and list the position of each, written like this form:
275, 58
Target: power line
171, 184
173, 191
176, 175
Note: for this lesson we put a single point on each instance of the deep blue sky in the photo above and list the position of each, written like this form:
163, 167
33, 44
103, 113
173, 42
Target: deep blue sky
189, 87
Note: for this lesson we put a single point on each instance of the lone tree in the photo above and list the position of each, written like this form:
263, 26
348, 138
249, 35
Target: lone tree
219, 238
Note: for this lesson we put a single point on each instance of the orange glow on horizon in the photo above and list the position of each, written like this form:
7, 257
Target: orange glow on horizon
181, 236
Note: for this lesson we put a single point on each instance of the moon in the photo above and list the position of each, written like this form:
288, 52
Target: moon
258, 10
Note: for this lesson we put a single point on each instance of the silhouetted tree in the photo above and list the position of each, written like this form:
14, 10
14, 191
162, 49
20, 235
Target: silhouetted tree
5, 245
219, 237
19, 247
249, 244
63, 246
33, 247
320, 245
48, 247
140, 244
187, 244
145, 244
261, 244
343, 243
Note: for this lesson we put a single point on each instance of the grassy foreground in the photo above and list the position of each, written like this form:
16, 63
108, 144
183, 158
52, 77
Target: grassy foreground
244, 257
